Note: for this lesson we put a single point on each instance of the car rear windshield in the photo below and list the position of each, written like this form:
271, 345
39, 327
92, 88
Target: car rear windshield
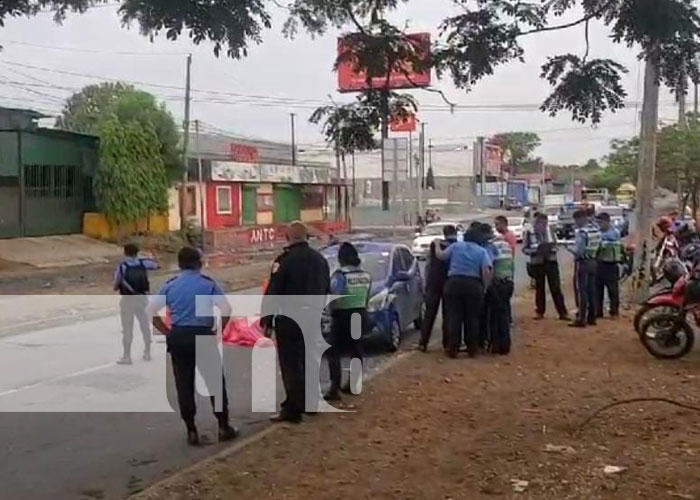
433, 230
377, 265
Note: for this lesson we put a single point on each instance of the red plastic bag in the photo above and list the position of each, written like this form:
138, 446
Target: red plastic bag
239, 333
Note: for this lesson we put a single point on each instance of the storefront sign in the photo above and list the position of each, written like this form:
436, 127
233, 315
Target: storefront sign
244, 153
255, 172
262, 235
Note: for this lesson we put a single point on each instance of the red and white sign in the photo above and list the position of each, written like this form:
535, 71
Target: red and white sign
262, 235
404, 124
244, 153
352, 80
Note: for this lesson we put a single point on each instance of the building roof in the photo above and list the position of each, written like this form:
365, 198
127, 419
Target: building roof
29, 113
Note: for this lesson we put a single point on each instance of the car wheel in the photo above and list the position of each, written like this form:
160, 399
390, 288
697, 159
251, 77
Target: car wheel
395, 335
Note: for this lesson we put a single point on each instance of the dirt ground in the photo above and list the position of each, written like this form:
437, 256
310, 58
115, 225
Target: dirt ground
436, 429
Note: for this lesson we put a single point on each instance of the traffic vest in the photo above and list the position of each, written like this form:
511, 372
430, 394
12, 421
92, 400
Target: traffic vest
532, 242
357, 288
503, 263
593, 241
610, 251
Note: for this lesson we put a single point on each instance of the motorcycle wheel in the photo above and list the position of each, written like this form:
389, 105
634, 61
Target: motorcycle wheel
667, 336
647, 310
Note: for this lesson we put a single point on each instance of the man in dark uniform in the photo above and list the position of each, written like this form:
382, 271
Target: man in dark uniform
179, 295
436, 276
299, 271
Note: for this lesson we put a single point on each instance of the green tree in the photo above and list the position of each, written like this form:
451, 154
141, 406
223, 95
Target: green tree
518, 147
131, 182
229, 24
86, 111
679, 158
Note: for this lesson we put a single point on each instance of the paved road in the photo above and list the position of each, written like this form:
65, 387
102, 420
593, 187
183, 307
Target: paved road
60, 433
124, 435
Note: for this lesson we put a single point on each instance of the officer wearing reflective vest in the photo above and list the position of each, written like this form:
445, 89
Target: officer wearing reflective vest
585, 252
609, 258
348, 313
499, 296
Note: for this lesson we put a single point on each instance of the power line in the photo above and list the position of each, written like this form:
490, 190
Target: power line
90, 51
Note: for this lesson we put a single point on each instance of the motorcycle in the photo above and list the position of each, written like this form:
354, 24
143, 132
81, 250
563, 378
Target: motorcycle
669, 335
659, 301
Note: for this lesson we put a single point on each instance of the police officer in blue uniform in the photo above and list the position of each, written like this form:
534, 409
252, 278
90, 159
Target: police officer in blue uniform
609, 258
585, 252
179, 295
468, 276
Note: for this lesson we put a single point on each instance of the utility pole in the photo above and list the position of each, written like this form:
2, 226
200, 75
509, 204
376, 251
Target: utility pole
646, 175
354, 183
385, 135
479, 157
294, 140
199, 183
695, 102
421, 165
185, 144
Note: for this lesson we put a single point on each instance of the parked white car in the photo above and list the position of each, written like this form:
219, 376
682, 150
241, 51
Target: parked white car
431, 232
516, 225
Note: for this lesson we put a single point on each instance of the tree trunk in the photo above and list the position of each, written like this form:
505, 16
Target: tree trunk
682, 125
694, 206
645, 181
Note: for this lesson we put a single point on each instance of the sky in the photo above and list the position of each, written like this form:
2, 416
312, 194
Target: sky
41, 64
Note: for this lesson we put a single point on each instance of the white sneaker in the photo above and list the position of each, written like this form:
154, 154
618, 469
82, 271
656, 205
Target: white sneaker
125, 361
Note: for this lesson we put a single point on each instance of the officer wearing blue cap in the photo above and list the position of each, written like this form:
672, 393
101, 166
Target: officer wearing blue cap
180, 296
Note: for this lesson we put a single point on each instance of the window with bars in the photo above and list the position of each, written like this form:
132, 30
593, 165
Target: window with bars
52, 181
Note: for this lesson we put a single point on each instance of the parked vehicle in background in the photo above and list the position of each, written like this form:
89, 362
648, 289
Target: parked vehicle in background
516, 225
430, 233
397, 294
553, 213
513, 204
596, 196
625, 195
565, 228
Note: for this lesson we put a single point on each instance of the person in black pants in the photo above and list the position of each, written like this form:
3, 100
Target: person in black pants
540, 244
609, 258
436, 276
468, 274
300, 271
585, 250
180, 295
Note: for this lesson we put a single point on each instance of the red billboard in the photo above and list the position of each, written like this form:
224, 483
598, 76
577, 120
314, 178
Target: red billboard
404, 124
351, 80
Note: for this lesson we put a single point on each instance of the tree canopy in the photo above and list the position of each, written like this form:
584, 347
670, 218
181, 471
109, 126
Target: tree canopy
86, 111
131, 181
518, 146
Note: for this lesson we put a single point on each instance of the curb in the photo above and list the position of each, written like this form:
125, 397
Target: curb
154, 488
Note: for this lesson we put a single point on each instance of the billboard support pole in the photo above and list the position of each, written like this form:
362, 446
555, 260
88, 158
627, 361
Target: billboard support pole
385, 135
419, 173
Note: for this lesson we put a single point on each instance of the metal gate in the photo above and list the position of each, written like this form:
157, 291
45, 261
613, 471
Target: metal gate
53, 199
9, 207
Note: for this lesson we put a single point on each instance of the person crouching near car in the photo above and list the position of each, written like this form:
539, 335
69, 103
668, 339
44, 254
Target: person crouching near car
469, 272
436, 276
500, 295
348, 313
